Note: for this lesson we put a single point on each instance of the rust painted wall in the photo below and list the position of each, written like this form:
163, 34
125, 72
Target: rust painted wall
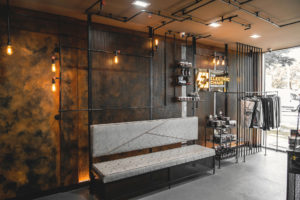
34, 155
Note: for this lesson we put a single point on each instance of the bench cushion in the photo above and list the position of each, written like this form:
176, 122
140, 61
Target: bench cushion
108, 139
132, 166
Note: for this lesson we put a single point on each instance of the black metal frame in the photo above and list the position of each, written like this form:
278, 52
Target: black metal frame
151, 181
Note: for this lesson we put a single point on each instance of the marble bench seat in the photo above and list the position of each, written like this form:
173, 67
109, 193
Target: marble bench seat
123, 168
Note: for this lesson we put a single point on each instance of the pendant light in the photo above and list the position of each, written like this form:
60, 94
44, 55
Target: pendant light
116, 58
9, 49
214, 60
53, 66
218, 60
53, 85
156, 41
223, 60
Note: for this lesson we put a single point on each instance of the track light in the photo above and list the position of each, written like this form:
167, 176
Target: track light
141, 3
53, 66
116, 58
214, 24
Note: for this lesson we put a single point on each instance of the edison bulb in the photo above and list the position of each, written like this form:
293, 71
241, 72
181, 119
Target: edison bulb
214, 61
53, 67
53, 87
9, 50
223, 62
156, 42
116, 60
218, 62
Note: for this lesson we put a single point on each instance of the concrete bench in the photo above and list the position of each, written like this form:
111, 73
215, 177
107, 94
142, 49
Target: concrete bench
108, 139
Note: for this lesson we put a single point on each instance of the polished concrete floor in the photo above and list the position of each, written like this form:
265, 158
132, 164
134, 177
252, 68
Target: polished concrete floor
259, 178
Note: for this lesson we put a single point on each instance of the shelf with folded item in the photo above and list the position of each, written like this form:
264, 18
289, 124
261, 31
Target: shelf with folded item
188, 99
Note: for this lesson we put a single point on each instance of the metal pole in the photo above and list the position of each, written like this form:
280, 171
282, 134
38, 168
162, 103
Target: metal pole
90, 100
165, 70
8, 23
60, 100
237, 102
194, 51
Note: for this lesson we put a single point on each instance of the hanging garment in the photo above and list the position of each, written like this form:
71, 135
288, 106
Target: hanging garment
278, 111
258, 115
247, 107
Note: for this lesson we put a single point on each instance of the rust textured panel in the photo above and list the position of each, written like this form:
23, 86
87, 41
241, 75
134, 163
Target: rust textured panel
28, 131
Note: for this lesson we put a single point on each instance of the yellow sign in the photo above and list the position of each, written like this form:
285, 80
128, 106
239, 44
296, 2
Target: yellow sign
219, 80
203, 80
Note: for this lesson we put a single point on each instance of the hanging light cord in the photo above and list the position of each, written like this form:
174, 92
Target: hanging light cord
8, 23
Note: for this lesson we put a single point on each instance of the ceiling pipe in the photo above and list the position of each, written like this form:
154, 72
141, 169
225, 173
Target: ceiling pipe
256, 14
242, 3
202, 5
186, 7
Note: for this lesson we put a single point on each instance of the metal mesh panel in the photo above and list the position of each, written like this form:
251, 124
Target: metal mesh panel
293, 192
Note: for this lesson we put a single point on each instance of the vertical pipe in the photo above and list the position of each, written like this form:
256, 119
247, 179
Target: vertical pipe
237, 102
90, 101
215, 94
194, 51
8, 23
174, 58
165, 70
226, 84
277, 132
151, 82
60, 104
244, 128
151, 35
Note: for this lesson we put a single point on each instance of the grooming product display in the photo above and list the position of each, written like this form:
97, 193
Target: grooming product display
188, 98
183, 73
185, 64
223, 141
293, 141
219, 121
181, 80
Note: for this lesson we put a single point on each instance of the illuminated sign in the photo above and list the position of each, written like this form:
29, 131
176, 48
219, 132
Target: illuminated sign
203, 80
219, 80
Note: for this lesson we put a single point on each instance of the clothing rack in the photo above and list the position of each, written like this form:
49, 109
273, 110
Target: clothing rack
241, 147
265, 132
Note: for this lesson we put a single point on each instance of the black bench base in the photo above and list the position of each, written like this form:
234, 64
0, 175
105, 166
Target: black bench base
144, 183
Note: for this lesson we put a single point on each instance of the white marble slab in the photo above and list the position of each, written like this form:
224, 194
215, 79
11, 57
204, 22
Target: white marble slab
132, 166
114, 138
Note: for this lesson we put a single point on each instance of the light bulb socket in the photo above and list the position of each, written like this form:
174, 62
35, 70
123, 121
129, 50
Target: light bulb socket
117, 52
53, 80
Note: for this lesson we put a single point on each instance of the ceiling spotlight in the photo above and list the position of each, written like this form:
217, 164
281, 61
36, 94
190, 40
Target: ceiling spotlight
214, 24
255, 36
141, 3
